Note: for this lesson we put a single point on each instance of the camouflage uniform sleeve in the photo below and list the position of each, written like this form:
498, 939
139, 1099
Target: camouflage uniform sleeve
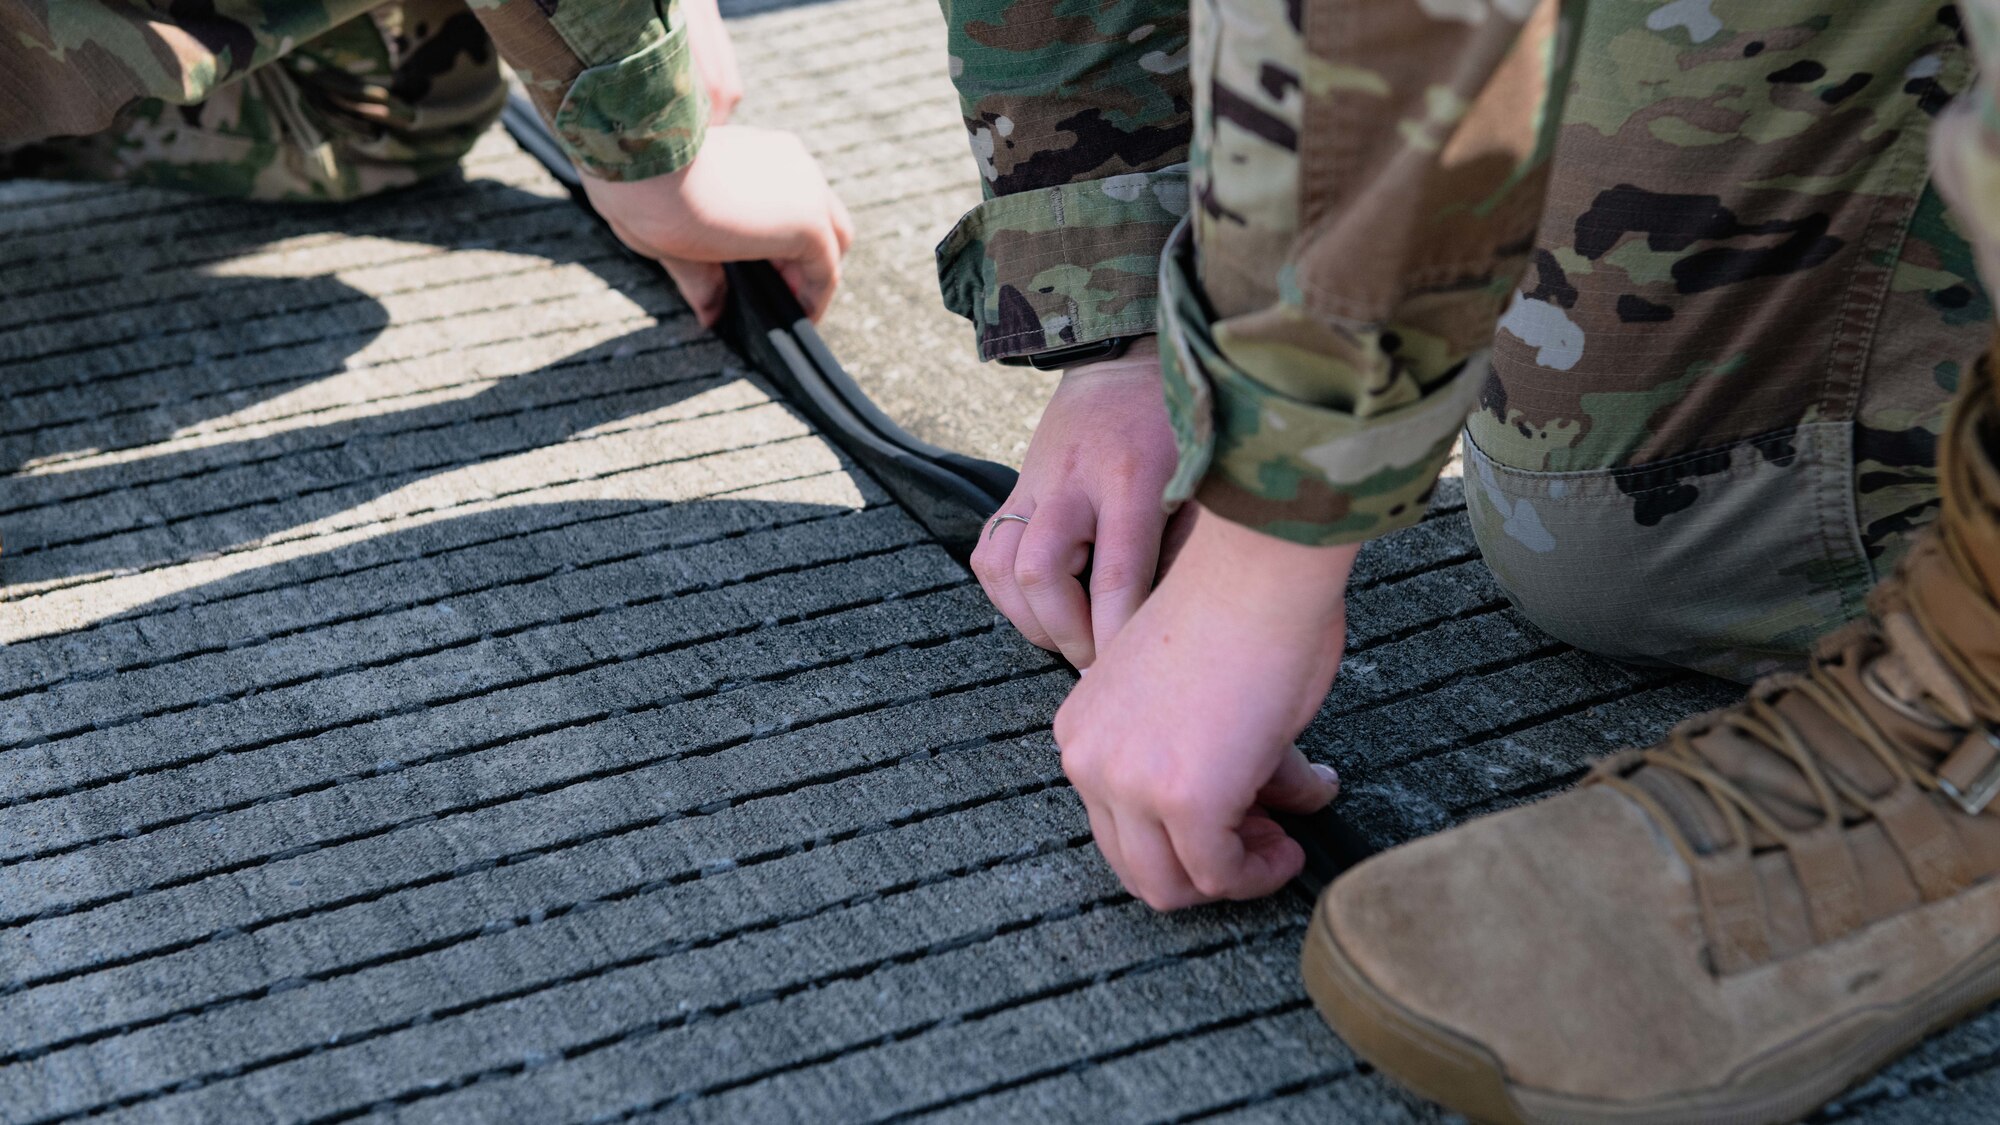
1368, 175
1078, 117
614, 79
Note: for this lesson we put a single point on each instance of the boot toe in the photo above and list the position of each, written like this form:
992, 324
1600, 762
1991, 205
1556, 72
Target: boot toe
1555, 948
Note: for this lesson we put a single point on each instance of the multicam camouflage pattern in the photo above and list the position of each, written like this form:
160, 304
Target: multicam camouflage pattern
1078, 118
1238, 439
1062, 264
615, 80
1965, 160
1770, 564
1323, 401
1713, 416
381, 101
1367, 179
363, 95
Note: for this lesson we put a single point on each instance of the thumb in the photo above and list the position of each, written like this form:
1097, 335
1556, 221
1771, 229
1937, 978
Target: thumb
1299, 786
843, 221
1179, 526
813, 273
812, 281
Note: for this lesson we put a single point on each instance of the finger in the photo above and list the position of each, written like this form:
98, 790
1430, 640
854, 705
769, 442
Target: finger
814, 273
702, 284
1054, 549
843, 222
725, 82
714, 58
1153, 869
993, 565
1298, 785
1122, 562
719, 78
1179, 526
1271, 858
725, 92
1240, 861
812, 282
1104, 831
625, 236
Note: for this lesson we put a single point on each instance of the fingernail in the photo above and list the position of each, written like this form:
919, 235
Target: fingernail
1327, 774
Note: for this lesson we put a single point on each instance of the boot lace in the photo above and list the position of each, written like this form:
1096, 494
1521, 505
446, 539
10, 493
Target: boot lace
1900, 666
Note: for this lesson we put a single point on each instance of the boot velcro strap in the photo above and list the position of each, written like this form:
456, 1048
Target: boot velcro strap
1914, 821
1829, 879
1733, 903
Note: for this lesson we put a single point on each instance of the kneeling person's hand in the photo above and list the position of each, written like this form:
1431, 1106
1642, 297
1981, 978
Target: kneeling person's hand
1180, 739
1090, 492
750, 193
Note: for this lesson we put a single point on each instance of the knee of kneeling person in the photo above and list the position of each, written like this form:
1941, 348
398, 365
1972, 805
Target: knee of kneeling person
1597, 563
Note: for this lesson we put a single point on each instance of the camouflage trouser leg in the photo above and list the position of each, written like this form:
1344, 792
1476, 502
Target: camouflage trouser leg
383, 100
1713, 417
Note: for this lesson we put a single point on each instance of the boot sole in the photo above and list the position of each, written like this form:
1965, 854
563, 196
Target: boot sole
1466, 1078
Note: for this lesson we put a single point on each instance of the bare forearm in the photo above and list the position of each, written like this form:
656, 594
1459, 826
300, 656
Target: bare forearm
1271, 585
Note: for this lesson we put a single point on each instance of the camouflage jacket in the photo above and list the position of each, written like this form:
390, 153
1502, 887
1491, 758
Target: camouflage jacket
1365, 178
613, 77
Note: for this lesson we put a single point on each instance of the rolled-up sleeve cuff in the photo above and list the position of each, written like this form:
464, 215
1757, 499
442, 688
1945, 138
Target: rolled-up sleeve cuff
641, 116
1063, 265
1295, 470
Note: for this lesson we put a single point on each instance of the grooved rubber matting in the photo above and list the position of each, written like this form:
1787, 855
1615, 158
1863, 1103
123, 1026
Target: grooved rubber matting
439, 685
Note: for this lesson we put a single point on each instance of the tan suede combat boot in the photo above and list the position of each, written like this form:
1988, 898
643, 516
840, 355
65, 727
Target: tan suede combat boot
1738, 923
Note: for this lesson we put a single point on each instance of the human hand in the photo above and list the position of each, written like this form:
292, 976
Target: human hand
1180, 740
750, 193
714, 58
1091, 485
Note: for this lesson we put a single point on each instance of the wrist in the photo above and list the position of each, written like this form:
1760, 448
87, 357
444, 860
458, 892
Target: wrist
596, 184
1275, 581
1072, 357
649, 214
1140, 361
1139, 351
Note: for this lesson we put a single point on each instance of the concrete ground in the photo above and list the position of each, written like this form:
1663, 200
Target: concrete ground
437, 684
864, 83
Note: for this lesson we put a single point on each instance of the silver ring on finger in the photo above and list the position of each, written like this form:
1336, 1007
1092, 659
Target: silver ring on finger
1003, 517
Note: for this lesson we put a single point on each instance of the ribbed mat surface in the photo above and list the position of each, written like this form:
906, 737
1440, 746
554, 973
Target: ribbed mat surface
439, 685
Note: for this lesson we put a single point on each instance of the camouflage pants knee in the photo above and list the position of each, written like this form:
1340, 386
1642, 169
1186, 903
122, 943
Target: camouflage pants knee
367, 101
1714, 409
